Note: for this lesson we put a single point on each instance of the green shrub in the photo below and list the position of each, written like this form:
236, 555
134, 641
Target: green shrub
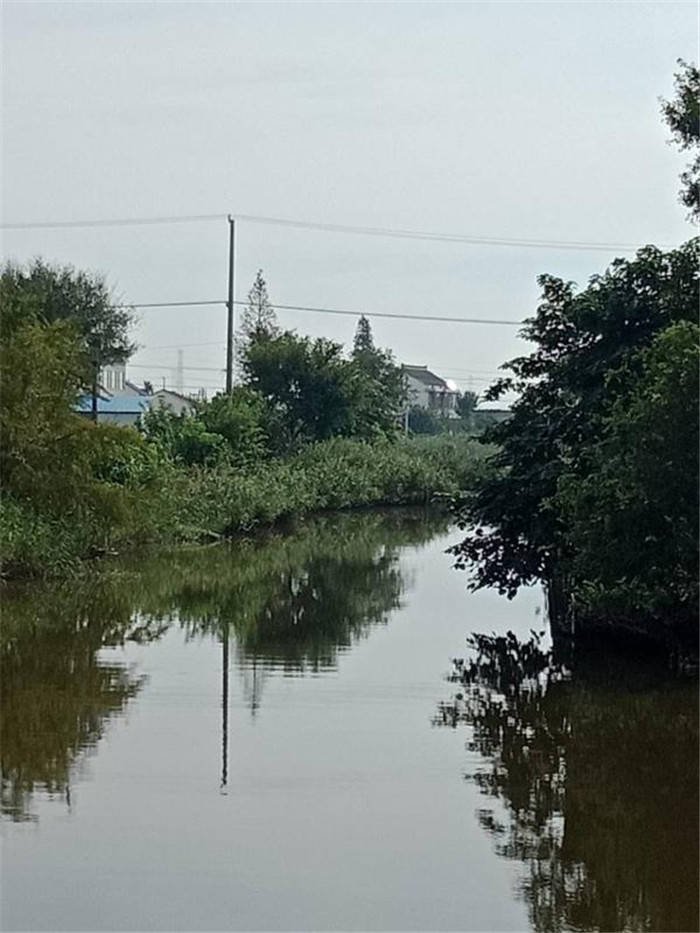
138, 498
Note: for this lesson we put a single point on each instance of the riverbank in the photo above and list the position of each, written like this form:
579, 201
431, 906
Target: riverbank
169, 504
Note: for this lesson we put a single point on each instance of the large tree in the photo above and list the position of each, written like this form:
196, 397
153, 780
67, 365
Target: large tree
682, 114
466, 405
306, 381
381, 390
629, 505
44, 295
42, 370
587, 346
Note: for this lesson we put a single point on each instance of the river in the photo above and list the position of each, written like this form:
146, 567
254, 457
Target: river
262, 736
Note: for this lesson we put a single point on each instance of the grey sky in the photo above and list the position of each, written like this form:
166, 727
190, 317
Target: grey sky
534, 120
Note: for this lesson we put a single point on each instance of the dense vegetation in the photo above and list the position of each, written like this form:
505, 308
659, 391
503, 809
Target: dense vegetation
310, 430
682, 115
595, 482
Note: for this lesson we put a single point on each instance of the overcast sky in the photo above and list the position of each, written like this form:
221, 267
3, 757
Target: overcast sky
526, 120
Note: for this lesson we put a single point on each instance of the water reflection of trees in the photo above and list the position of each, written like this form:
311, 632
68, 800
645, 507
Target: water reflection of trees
291, 600
599, 774
56, 696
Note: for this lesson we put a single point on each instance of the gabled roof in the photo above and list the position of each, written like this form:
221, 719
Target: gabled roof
135, 388
161, 393
424, 375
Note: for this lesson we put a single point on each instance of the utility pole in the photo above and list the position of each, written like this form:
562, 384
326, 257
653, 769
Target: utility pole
180, 372
230, 304
223, 787
95, 378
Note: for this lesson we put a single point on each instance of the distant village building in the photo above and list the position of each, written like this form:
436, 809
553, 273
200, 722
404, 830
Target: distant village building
112, 378
120, 401
426, 390
115, 409
113, 381
176, 402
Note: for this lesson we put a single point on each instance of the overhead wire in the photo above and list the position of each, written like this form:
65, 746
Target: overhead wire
550, 243
319, 310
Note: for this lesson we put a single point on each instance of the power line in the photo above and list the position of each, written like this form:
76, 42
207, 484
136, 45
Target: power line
111, 222
203, 369
469, 239
549, 243
391, 314
461, 374
174, 304
342, 311
180, 346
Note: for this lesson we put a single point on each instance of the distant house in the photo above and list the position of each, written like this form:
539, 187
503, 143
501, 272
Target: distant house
122, 402
115, 409
173, 400
426, 390
112, 381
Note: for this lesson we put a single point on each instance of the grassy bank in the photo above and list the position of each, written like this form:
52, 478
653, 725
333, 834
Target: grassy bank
173, 504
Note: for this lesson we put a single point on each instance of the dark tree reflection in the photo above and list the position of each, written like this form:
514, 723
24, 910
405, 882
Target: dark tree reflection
292, 600
288, 601
57, 697
599, 774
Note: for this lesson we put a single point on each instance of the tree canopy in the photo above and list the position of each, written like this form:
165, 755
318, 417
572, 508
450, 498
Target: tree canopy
259, 318
682, 114
582, 383
44, 294
381, 388
314, 392
307, 380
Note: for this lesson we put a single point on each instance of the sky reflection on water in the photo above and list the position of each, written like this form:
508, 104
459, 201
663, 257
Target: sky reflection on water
240, 737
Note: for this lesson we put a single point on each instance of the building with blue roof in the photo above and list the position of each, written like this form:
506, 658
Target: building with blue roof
117, 409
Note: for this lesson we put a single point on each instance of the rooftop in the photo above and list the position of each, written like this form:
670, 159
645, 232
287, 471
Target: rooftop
118, 404
424, 375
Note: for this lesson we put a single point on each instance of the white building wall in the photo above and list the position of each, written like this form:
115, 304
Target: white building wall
113, 377
171, 400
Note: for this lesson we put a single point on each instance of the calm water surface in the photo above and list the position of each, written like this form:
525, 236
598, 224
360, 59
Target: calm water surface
262, 736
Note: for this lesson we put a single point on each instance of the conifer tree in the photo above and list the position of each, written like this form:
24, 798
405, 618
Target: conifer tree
259, 318
363, 342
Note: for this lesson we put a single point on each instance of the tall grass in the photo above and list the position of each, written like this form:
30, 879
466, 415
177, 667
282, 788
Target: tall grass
199, 503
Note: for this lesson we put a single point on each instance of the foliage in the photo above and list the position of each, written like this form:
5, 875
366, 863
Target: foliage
229, 428
336, 474
67, 485
682, 114
363, 341
45, 295
242, 419
307, 381
72, 489
586, 357
314, 393
41, 369
182, 438
177, 504
423, 421
380, 385
259, 318
630, 505
466, 404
